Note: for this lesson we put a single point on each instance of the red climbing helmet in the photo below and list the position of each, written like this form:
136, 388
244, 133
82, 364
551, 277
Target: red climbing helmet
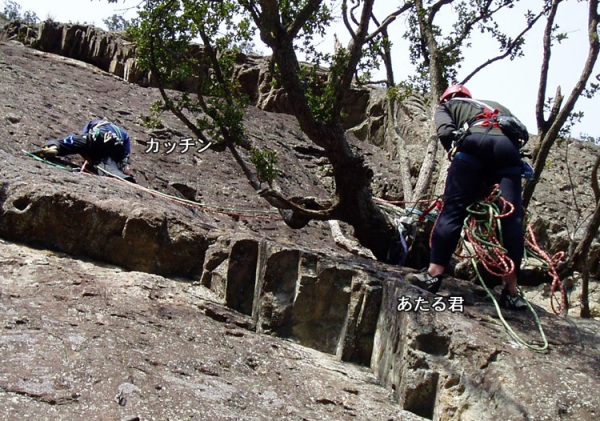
455, 90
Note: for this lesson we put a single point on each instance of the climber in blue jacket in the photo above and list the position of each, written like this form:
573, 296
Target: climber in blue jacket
101, 142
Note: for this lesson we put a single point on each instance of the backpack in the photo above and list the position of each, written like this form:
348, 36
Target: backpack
103, 131
491, 117
513, 129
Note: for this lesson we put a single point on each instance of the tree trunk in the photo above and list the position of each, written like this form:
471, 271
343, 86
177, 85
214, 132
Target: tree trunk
401, 151
585, 302
424, 180
579, 256
355, 204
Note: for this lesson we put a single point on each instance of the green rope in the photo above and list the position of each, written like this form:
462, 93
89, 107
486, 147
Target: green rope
485, 230
45, 161
510, 331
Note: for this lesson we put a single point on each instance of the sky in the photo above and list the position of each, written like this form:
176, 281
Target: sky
511, 83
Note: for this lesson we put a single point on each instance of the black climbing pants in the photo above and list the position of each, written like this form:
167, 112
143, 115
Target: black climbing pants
483, 160
101, 155
84, 145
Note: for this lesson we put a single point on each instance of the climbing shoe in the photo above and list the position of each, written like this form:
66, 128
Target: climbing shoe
425, 281
512, 303
47, 152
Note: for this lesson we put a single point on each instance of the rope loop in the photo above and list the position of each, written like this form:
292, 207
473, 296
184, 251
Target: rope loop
483, 233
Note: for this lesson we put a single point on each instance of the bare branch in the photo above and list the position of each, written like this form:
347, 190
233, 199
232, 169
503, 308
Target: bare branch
549, 136
388, 20
578, 257
386, 55
515, 43
355, 53
543, 86
468, 28
345, 19
346, 243
303, 209
309, 9
306, 206
595, 187
353, 9
436, 8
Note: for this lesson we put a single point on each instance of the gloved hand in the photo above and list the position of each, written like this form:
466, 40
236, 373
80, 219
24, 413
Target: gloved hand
124, 166
458, 134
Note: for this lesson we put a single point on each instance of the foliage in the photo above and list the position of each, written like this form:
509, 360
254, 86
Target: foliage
12, 11
194, 43
165, 33
321, 89
265, 162
117, 23
439, 33
437, 50
153, 120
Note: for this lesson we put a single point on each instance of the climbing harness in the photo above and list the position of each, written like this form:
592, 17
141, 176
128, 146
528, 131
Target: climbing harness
116, 135
489, 118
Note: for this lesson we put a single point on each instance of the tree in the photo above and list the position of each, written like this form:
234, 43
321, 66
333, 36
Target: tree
555, 124
437, 57
12, 11
116, 23
166, 29
437, 54
164, 33
579, 248
559, 113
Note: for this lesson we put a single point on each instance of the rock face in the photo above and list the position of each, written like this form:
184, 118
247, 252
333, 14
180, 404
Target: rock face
114, 54
139, 304
445, 367
85, 340
105, 50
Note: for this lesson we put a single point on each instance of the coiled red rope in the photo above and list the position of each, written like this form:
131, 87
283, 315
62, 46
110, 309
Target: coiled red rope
483, 232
